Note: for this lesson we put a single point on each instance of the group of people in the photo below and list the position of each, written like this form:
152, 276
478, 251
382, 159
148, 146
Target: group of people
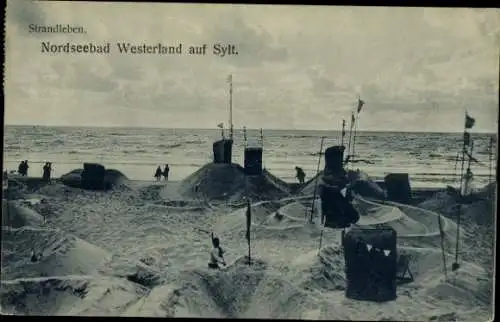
159, 173
24, 166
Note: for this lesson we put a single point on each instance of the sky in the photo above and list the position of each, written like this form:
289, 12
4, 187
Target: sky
298, 67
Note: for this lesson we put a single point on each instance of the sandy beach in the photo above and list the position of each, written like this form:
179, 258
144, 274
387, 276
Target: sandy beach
142, 250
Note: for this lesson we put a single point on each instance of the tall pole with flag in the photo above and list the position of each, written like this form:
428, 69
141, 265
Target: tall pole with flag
358, 109
353, 119
230, 81
249, 225
468, 124
343, 133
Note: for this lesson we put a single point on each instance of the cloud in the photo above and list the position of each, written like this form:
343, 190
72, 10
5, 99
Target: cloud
416, 68
255, 45
24, 12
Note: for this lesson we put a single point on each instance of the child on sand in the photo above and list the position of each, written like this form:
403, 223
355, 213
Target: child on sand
216, 254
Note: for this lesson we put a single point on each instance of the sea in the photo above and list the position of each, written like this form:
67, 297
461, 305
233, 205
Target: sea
429, 158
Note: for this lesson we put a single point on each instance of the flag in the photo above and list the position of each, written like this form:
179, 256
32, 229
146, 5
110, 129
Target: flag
469, 121
343, 127
352, 120
220, 125
230, 78
466, 138
360, 104
249, 220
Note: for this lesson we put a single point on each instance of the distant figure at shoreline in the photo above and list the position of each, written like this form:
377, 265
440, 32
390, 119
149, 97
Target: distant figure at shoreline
23, 168
47, 169
158, 173
166, 171
216, 255
301, 175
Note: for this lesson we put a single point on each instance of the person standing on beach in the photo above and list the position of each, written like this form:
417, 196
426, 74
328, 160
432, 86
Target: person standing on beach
166, 171
300, 174
47, 169
25, 168
158, 174
216, 254
20, 168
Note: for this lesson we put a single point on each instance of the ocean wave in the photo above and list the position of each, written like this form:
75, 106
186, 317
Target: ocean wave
170, 146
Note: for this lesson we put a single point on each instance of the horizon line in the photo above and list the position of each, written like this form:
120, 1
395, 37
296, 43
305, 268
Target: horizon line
234, 129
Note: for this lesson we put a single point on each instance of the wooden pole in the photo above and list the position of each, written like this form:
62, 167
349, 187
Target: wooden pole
320, 241
354, 138
316, 182
230, 106
350, 137
245, 136
343, 133
443, 254
490, 155
455, 265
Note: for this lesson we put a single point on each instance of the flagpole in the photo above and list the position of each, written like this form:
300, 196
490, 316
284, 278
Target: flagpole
316, 183
354, 138
231, 106
343, 133
261, 138
350, 138
455, 265
320, 240
490, 155
245, 136
443, 254
249, 224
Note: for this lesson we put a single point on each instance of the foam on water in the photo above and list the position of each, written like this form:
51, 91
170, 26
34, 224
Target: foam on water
428, 157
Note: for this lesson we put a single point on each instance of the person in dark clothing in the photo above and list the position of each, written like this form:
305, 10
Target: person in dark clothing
300, 174
166, 171
20, 168
158, 174
26, 167
216, 254
47, 169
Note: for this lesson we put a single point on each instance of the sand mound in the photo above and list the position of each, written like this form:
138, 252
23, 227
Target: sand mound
229, 182
361, 183
479, 210
477, 219
240, 291
17, 215
58, 254
112, 178
68, 295
42, 296
215, 181
324, 272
